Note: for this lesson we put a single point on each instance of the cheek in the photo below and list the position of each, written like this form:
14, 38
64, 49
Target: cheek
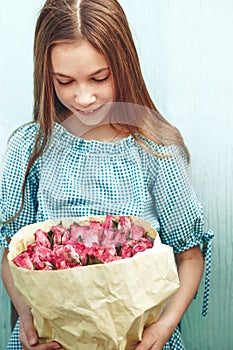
63, 95
109, 92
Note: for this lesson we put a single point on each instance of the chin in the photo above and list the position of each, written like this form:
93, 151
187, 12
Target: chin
91, 120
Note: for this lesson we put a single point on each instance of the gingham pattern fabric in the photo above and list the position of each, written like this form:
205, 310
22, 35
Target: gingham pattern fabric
175, 341
75, 177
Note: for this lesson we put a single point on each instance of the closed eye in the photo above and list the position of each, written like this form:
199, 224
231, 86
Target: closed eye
64, 83
101, 80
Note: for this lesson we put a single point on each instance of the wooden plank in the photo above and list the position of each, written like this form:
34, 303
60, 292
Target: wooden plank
187, 54
5, 322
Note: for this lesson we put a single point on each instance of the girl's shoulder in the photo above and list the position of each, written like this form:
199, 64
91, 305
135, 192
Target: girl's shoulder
21, 143
163, 152
24, 135
19, 148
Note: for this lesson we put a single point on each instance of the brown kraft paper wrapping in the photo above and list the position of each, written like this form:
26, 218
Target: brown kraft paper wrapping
97, 307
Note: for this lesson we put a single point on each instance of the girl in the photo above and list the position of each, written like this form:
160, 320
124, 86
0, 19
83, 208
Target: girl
98, 145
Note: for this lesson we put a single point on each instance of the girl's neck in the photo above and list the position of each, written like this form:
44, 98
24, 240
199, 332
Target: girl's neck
103, 133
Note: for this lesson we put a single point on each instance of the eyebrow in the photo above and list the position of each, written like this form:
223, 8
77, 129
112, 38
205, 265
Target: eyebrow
94, 73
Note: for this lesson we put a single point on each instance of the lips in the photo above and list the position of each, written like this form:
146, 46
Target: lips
89, 112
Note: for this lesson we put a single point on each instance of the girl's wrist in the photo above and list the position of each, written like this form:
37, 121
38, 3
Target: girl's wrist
168, 321
24, 309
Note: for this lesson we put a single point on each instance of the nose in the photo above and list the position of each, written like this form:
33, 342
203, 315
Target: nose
84, 96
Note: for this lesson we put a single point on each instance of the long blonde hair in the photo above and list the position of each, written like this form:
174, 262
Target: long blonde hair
105, 26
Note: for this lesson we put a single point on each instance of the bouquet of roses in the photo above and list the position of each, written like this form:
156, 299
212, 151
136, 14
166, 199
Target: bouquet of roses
80, 245
82, 278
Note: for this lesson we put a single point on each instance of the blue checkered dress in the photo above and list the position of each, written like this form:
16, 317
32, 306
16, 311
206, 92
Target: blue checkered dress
75, 177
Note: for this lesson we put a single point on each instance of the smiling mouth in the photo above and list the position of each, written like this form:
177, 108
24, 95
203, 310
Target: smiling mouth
89, 112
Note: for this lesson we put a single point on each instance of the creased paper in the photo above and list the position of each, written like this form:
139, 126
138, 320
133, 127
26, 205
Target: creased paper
96, 307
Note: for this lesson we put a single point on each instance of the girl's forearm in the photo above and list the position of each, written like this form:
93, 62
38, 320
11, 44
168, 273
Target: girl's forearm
18, 302
190, 267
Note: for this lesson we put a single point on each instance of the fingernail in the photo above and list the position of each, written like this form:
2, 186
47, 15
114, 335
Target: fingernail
32, 341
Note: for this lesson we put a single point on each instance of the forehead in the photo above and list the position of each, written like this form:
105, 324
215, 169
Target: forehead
79, 55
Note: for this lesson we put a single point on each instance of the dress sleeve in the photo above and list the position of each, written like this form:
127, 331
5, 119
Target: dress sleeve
179, 212
15, 164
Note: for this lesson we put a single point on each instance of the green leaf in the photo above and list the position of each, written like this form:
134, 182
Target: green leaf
50, 237
76, 223
115, 223
93, 260
118, 249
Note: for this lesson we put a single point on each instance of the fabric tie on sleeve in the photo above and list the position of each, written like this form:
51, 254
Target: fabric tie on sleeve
206, 251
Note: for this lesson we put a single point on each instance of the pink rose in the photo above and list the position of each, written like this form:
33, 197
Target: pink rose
60, 234
23, 260
77, 231
126, 250
97, 228
77, 252
42, 237
137, 232
90, 236
40, 255
103, 254
108, 237
44, 265
124, 224
109, 222
66, 256
141, 245
96, 225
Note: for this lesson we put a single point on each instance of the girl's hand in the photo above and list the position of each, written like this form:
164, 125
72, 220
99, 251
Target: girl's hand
154, 337
190, 267
28, 335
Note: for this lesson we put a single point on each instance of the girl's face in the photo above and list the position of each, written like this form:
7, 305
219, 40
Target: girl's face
83, 81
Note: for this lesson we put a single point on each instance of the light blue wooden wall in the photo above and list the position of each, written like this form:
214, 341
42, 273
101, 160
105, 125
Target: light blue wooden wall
186, 53
17, 20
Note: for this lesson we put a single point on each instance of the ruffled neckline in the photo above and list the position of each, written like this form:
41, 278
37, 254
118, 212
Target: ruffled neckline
61, 134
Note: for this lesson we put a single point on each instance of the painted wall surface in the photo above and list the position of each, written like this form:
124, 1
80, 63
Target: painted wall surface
186, 53
17, 20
